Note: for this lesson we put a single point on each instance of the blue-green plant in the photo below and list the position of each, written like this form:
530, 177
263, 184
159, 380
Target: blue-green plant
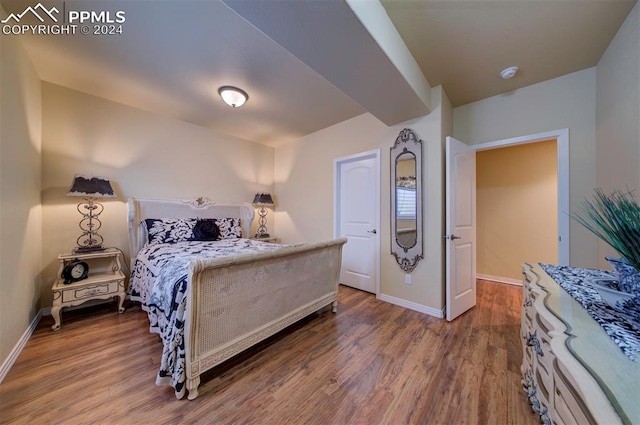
615, 219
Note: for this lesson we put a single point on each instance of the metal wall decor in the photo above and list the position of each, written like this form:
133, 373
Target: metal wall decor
406, 200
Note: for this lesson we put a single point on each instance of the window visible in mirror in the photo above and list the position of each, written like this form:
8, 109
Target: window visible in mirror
406, 203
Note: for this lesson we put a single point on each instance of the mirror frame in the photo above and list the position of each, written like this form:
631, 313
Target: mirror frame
407, 258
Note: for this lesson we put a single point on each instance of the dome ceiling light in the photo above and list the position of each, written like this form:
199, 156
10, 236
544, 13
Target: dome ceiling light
233, 96
508, 72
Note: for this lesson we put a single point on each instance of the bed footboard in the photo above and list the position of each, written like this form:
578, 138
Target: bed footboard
234, 303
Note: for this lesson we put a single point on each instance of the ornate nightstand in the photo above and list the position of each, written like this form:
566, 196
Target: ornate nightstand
103, 281
270, 239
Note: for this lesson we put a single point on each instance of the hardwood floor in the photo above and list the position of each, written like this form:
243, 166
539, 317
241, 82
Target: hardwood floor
371, 363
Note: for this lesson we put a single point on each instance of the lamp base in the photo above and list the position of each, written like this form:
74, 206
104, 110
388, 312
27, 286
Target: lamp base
86, 249
261, 235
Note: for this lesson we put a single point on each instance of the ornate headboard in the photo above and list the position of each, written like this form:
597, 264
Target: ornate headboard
141, 209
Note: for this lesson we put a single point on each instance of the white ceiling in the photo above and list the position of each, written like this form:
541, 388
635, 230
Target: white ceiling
309, 64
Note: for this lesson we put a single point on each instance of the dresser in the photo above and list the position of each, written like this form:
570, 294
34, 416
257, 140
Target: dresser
572, 371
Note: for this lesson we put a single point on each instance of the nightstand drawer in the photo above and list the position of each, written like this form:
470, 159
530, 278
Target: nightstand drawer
90, 291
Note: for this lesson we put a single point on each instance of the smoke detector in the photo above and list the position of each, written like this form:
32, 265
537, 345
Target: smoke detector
508, 72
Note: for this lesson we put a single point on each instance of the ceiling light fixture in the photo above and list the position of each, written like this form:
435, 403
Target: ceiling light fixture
508, 72
233, 96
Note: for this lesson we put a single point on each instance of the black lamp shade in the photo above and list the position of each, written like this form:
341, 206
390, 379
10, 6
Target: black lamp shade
262, 199
87, 186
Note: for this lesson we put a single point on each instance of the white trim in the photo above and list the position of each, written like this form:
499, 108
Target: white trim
13, 355
507, 280
412, 306
562, 138
375, 153
563, 198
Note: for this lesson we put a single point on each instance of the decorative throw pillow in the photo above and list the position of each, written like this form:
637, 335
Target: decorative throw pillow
229, 228
169, 230
206, 229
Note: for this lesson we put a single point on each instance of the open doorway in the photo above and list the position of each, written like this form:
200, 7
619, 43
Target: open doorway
460, 202
521, 204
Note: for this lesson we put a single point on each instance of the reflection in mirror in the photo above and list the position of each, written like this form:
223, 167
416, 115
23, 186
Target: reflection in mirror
406, 200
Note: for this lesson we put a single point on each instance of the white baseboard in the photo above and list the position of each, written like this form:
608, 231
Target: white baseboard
498, 279
13, 356
412, 306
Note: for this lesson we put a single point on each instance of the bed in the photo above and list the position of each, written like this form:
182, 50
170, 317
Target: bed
212, 299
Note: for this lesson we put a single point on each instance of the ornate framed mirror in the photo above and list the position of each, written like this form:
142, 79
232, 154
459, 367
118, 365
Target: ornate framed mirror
406, 200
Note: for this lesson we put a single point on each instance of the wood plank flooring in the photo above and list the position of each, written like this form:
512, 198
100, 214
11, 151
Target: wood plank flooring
371, 363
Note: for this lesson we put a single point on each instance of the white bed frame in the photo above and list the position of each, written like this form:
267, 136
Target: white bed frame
235, 302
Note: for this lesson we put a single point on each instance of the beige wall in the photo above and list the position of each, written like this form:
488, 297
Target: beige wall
20, 212
564, 102
617, 112
517, 208
304, 187
144, 155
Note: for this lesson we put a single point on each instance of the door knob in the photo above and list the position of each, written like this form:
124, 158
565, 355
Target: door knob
452, 237
372, 231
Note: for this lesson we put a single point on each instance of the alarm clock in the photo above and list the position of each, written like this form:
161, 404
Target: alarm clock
75, 271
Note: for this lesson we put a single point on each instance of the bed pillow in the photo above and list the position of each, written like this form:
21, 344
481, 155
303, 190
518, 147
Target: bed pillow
169, 230
229, 228
206, 229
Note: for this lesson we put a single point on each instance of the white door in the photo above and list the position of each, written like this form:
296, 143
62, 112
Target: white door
461, 228
358, 212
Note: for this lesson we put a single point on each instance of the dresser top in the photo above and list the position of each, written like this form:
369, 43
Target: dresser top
616, 374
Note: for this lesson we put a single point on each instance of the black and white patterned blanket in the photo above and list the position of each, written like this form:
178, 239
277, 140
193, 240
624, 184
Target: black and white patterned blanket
624, 329
159, 282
